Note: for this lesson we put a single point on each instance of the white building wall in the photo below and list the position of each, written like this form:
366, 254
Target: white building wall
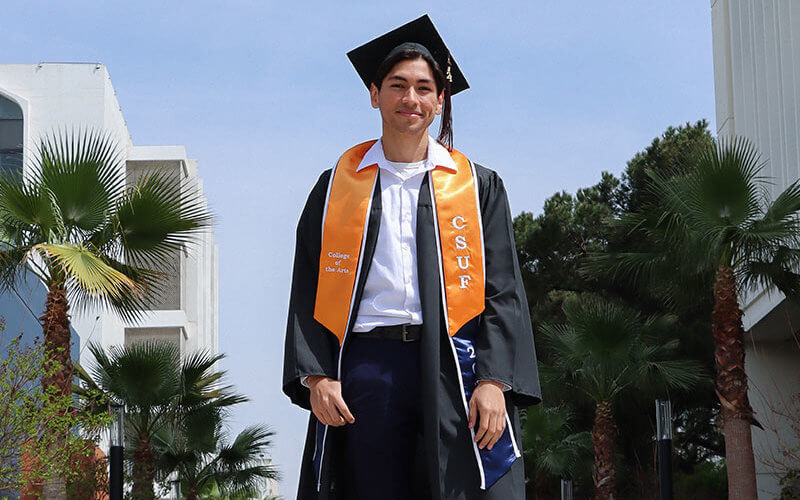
757, 79
773, 372
198, 295
757, 87
58, 95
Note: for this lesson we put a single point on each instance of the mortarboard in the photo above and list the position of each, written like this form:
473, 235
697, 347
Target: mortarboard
368, 57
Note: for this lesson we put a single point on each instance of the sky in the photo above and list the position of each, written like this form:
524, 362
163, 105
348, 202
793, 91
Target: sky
263, 95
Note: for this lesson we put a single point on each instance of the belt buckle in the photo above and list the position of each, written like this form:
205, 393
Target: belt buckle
404, 330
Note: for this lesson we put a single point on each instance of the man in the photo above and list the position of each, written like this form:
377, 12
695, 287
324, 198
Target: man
409, 335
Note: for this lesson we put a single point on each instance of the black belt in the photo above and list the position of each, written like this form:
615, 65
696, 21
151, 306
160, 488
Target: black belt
406, 333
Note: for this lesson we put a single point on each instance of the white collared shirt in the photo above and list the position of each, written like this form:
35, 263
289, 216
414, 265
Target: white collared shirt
391, 291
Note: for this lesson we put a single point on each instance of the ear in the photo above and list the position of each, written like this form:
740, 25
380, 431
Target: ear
440, 101
373, 95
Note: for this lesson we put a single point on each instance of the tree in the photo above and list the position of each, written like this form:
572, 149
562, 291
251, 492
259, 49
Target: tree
30, 415
552, 248
605, 350
552, 450
717, 233
158, 390
89, 237
206, 462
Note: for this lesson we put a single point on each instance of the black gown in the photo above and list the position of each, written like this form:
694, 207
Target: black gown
446, 466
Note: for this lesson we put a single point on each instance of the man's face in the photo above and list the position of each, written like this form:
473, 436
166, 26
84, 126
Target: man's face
407, 98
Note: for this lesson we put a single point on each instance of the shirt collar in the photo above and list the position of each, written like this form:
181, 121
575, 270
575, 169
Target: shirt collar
438, 156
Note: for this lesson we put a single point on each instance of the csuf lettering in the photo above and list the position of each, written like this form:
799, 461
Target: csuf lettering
459, 223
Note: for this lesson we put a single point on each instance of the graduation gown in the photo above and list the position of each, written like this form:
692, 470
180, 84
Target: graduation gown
446, 463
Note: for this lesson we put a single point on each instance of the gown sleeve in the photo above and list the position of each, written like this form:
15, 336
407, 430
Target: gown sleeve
309, 347
504, 343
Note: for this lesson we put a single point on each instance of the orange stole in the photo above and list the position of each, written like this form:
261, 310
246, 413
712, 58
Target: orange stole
460, 241
459, 233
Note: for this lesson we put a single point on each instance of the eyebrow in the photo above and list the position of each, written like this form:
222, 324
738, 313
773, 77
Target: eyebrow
404, 79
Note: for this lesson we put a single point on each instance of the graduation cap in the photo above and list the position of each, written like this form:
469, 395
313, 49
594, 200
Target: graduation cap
368, 57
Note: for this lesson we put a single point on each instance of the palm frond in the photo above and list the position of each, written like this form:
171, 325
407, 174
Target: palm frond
132, 304
199, 379
83, 170
605, 348
239, 466
144, 375
779, 271
247, 447
159, 215
74, 193
723, 191
26, 208
89, 271
786, 206
15, 267
760, 237
773, 236
636, 268
681, 374
550, 443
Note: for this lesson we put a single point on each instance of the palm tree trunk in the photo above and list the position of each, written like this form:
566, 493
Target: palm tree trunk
603, 433
54, 489
542, 489
191, 494
144, 471
726, 323
55, 327
646, 481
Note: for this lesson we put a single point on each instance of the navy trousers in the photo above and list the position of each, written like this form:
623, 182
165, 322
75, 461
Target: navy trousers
381, 386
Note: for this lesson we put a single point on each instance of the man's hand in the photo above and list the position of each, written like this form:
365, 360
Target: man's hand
326, 401
488, 403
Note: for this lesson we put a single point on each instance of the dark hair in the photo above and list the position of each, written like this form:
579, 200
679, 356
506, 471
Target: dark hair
408, 52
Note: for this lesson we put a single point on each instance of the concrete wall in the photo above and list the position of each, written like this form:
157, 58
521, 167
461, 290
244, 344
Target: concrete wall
65, 96
169, 297
196, 288
174, 335
757, 79
773, 371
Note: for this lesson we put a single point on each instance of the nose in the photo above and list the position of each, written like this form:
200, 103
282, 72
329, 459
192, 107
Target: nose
411, 95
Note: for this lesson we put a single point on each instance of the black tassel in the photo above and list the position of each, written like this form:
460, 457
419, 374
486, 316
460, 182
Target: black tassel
446, 129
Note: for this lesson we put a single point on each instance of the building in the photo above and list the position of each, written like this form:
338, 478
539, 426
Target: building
269, 489
757, 87
38, 99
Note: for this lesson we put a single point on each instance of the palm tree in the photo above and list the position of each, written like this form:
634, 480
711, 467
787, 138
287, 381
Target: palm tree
159, 390
605, 350
206, 463
717, 232
551, 447
72, 221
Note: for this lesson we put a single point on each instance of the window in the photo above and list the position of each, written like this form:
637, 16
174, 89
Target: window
10, 135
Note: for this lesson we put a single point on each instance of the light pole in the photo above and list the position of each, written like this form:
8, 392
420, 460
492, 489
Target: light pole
117, 440
664, 436
176, 488
566, 489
